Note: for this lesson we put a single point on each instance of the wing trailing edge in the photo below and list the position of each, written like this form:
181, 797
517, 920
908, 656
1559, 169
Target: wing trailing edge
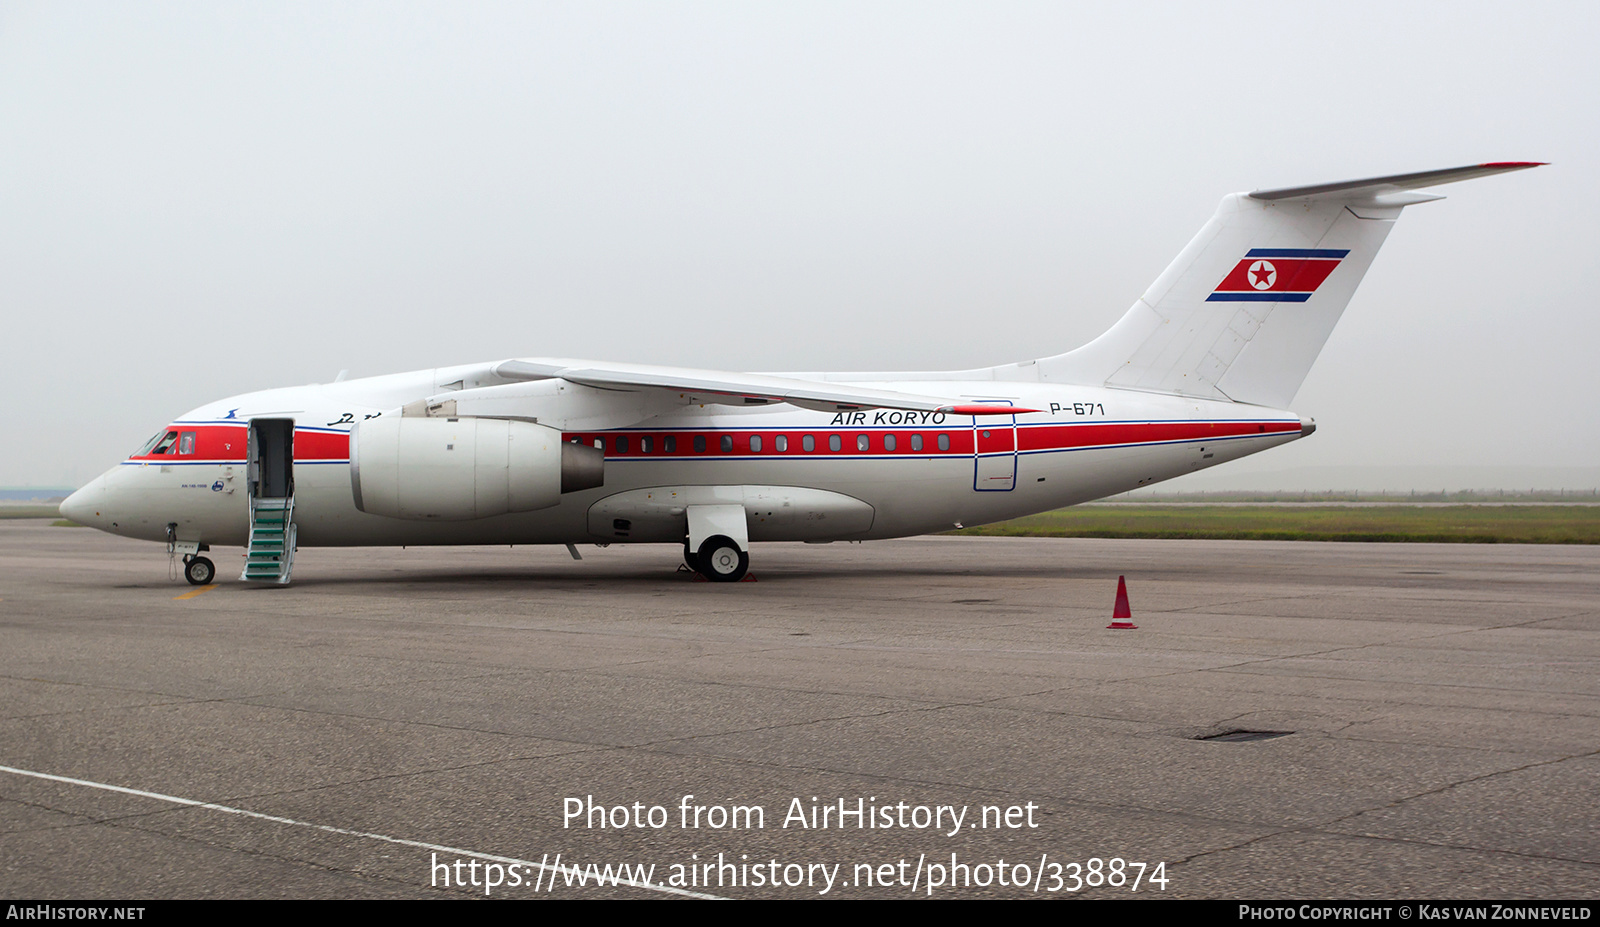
729, 388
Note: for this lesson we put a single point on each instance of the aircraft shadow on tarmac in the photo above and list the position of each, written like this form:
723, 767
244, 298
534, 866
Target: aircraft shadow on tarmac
635, 577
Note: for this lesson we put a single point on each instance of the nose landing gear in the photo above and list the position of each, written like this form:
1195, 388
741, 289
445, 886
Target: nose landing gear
199, 571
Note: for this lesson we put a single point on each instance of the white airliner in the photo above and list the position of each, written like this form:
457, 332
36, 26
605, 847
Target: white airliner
562, 451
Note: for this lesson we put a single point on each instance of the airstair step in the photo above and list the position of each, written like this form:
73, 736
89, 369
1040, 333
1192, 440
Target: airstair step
270, 554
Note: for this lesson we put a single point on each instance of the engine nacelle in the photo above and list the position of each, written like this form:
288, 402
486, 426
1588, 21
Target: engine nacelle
455, 469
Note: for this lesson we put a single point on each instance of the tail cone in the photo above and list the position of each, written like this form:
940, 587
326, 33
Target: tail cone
1122, 615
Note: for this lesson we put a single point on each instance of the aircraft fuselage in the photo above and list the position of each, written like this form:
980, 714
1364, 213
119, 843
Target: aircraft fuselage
919, 472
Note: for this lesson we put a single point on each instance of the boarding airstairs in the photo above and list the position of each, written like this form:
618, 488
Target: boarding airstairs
270, 556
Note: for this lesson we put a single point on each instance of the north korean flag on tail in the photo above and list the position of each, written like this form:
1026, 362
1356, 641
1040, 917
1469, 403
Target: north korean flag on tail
1270, 275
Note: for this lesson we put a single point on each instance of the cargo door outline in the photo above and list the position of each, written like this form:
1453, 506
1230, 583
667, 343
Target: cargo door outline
994, 450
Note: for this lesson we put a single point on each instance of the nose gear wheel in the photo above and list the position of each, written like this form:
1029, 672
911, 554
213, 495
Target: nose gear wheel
199, 571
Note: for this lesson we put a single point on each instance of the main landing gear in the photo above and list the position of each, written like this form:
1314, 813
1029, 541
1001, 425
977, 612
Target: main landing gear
199, 571
721, 560
718, 543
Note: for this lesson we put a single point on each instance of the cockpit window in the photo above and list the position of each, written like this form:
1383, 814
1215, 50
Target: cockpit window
162, 443
164, 446
186, 443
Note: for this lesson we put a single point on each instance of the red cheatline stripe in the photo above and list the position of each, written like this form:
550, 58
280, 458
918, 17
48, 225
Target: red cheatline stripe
1034, 438
230, 442
321, 445
1060, 437
227, 443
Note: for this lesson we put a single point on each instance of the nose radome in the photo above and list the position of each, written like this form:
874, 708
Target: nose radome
80, 506
74, 506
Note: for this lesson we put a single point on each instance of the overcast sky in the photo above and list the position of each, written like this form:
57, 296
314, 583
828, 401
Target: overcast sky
202, 199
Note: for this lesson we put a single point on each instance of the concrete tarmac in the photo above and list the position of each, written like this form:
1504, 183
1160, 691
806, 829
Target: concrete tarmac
396, 711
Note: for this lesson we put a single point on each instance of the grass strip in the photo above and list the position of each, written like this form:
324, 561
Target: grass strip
1509, 524
30, 511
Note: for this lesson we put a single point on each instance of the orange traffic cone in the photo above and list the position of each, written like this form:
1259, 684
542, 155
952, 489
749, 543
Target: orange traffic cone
1122, 615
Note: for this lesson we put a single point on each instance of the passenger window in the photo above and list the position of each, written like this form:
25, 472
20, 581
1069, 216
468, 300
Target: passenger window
669, 444
186, 443
863, 443
888, 442
833, 442
727, 444
780, 443
808, 443
944, 442
622, 444
755, 444
916, 442
699, 444
600, 444
645, 443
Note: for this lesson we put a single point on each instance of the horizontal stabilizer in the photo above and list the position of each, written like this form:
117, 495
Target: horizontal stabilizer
1373, 188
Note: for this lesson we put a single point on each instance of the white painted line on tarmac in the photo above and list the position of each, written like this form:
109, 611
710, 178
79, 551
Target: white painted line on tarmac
554, 871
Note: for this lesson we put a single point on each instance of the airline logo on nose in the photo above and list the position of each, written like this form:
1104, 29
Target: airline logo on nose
1288, 275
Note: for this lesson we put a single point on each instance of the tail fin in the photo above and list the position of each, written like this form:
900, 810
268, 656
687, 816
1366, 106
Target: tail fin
1244, 310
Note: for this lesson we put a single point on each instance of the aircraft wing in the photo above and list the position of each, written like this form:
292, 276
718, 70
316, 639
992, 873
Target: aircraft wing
689, 385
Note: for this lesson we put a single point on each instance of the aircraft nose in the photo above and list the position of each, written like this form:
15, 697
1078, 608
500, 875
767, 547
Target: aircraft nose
81, 506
